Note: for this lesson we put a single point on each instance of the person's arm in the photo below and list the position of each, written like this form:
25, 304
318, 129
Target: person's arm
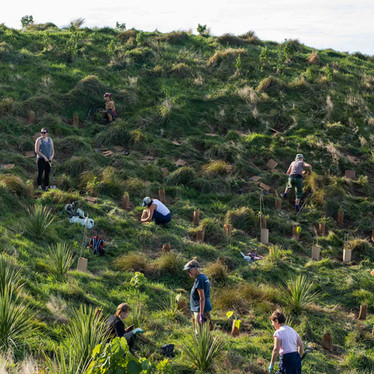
274, 355
201, 293
308, 166
289, 170
37, 151
53, 150
300, 346
151, 210
119, 328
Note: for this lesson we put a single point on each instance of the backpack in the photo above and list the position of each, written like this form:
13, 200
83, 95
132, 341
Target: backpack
97, 245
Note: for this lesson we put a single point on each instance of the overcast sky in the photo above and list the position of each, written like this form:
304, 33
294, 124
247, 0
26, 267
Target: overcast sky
344, 25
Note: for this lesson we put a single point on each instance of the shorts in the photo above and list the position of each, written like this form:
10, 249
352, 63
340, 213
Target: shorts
297, 183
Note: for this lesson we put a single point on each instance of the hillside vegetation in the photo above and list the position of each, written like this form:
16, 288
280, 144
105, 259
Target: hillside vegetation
226, 106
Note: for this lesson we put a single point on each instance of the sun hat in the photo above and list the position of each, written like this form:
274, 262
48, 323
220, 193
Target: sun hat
191, 264
146, 201
299, 155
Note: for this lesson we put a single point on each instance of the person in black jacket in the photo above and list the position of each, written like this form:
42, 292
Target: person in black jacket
117, 328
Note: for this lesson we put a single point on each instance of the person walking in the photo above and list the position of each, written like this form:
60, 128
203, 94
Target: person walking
295, 179
116, 327
45, 152
155, 210
110, 113
200, 295
288, 344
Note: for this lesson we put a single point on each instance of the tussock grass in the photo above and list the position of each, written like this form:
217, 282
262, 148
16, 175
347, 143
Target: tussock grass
39, 221
229, 54
217, 168
17, 186
217, 272
314, 59
182, 176
230, 39
60, 258
243, 218
269, 83
132, 262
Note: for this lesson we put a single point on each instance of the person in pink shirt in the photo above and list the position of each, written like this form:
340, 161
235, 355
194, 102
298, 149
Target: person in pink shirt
287, 344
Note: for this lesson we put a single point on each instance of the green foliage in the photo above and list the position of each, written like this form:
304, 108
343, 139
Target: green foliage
203, 350
39, 221
202, 30
115, 357
217, 272
298, 293
182, 176
27, 21
17, 186
59, 260
120, 26
132, 262
138, 280
243, 218
10, 277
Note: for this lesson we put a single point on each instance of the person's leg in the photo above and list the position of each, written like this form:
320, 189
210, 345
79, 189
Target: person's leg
299, 192
288, 186
40, 164
47, 169
160, 219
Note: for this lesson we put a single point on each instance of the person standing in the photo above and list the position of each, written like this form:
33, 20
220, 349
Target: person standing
288, 344
110, 113
295, 179
45, 152
200, 295
155, 210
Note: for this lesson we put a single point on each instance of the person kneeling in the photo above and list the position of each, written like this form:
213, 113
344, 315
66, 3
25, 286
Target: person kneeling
155, 210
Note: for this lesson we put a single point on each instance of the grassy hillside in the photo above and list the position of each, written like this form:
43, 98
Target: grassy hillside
226, 105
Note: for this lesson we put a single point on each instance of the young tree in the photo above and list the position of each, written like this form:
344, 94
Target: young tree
26, 21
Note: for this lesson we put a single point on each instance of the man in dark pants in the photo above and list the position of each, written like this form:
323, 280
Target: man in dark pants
45, 152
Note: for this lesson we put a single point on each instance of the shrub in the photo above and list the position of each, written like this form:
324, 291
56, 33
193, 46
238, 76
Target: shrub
201, 351
132, 262
60, 259
63, 363
215, 168
243, 219
38, 223
182, 176
86, 330
15, 323
17, 186
216, 272
298, 293
228, 54
275, 253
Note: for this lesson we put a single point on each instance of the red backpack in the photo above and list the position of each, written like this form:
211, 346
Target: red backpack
97, 245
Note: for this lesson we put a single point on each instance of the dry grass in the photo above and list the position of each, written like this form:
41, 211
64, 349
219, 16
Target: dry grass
17, 186
181, 69
230, 39
214, 168
126, 35
217, 272
248, 94
132, 262
250, 37
314, 58
175, 37
269, 83
229, 54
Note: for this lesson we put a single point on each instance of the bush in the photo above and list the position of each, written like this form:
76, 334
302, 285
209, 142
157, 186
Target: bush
38, 223
17, 186
134, 186
216, 272
132, 262
243, 219
215, 168
60, 258
182, 176
201, 351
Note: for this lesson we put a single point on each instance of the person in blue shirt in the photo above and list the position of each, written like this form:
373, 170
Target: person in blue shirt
200, 295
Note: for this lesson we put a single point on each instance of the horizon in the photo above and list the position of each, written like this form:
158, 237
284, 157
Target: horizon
342, 25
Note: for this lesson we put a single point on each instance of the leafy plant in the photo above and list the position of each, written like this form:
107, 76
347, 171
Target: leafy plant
238, 322
202, 350
38, 222
9, 276
120, 26
275, 253
298, 293
202, 30
60, 259
27, 21
62, 362
138, 280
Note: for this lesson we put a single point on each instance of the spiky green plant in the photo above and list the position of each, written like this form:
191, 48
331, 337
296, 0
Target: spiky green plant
38, 221
9, 275
15, 321
275, 253
87, 329
60, 259
63, 363
202, 350
298, 293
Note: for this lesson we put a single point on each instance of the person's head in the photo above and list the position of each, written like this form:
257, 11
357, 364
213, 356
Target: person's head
122, 311
147, 201
107, 96
299, 157
44, 132
193, 268
277, 319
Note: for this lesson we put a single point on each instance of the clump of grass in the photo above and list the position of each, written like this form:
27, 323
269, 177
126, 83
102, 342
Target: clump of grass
181, 70
215, 168
269, 83
169, 263
243, 218
230, 39
176, 37
314, 58
250, 37
134, 186
9, 276
132, 262
298, 293
138, 315
182, 176
60, 258
39, 221
110, 183
126, 35
214, 232
275, 253
229, 54
6, 106
203, 350
17, 186
217, 272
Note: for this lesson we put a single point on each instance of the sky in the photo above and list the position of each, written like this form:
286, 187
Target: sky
343, 25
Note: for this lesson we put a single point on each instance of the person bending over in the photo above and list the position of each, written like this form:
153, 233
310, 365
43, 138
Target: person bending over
155, 210
45, 152
295, 179
200, 295
116, 327
288, 344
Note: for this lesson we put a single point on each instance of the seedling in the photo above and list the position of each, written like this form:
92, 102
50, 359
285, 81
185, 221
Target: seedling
235, 330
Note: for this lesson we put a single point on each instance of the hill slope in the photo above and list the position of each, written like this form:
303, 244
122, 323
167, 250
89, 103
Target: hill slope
226, 106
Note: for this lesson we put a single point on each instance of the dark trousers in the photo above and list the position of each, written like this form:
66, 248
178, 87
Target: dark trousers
160, 219
43, 166
290, 363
